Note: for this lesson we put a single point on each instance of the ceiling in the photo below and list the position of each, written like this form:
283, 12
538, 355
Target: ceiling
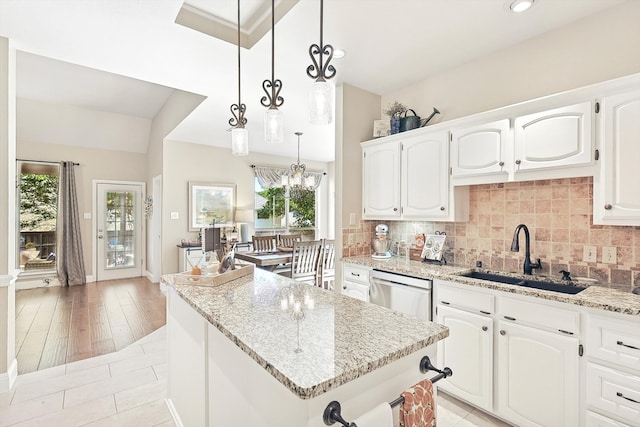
126, 57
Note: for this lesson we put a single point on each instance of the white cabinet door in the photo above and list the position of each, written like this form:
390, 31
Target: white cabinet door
616, 195
381, 181
356, 290
425, 177
482, 152
468, 351
556, 138
537, 376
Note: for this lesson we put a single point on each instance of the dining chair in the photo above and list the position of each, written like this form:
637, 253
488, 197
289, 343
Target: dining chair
327, 268
304, 261
286, 240
264, 243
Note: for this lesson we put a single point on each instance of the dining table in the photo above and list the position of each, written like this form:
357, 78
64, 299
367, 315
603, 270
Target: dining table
266, 260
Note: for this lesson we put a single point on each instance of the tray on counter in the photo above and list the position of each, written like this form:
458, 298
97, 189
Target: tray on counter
187, 278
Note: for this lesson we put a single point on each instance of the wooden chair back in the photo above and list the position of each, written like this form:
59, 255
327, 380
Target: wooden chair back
264, 243
327, 268
305, 259
286, 240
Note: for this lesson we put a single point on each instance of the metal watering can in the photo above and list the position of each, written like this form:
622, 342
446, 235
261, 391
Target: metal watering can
413, 122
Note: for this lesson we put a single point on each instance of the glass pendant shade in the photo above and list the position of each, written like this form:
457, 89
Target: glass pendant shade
239, 142
273, 126
321, 103
309, 182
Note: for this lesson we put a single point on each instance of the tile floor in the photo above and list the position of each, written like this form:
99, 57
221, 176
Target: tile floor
127, 388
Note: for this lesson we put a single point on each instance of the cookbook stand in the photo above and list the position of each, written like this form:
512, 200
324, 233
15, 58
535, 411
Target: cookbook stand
441, 261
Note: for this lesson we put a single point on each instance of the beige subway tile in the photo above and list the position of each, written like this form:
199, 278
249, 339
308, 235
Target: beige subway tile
560, 235
560, 221
543, 220
622, 277
580, 222
601, 237
543, 192
560, 206
622, 236
578, 236
559, 192
542, 206
542, 234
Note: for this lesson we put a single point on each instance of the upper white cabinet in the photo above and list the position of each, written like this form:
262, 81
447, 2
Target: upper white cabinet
482, 152
408, 178
554, 139
381, 181
616, 199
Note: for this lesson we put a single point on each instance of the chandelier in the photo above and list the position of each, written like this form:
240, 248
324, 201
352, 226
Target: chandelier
295, 178
239, 134
273, 118
321, 94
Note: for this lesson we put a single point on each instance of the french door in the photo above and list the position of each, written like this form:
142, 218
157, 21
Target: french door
119, 232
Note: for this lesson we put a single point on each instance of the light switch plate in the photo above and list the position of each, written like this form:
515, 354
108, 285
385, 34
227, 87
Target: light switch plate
609, 255
175, 215
589, 254
352, 219
87, 215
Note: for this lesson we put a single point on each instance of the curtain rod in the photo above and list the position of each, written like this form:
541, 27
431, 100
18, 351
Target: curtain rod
43, 161
282, 167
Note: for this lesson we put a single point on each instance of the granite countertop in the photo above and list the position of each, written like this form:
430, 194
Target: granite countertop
604, 296
341, 338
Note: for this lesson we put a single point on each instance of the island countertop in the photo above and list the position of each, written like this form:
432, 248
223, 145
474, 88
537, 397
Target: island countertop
341, 338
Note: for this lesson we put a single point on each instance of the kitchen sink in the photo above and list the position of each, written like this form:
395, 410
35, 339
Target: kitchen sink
537, 284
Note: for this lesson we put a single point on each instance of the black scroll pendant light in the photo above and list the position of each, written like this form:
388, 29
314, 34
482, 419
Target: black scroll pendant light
273, 117
239, 134
321, 93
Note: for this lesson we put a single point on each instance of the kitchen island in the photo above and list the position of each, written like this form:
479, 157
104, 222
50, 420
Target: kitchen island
263, 350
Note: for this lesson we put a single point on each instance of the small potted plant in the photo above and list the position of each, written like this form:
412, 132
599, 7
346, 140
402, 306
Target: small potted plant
394, 111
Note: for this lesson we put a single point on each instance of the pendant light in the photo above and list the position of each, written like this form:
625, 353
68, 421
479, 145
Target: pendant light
239, 134
273, 118
296, 179
321, 94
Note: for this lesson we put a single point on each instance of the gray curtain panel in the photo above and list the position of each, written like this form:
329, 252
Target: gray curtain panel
69, 260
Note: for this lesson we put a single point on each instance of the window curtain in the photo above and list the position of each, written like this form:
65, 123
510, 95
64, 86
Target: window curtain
69, 260
272, 177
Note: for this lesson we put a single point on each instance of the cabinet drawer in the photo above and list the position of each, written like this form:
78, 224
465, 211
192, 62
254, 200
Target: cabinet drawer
614, 392
356, 274
466, 299
597, 420
615, 341
539, 314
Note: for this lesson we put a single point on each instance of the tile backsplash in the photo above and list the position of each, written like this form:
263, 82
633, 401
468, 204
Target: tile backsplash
558, 214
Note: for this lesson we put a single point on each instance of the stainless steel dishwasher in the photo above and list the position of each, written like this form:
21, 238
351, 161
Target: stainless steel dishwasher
407, 294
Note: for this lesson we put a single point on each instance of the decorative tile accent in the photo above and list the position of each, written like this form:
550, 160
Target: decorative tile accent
558, 214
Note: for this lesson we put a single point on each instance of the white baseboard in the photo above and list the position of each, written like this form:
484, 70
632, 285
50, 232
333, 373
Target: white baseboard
173, 412
151, 277
37, 281
8, 379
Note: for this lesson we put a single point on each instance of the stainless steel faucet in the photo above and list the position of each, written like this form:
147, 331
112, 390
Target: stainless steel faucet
515, 247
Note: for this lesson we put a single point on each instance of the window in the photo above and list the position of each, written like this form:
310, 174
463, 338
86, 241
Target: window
274, 213
38, 210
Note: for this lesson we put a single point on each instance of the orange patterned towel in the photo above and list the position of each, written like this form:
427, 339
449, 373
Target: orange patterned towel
419, 407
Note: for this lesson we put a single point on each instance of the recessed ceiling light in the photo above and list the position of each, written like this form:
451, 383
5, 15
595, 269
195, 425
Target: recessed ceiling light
339, 53
518, 6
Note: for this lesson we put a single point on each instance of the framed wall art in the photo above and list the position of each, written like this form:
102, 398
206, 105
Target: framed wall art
211, 204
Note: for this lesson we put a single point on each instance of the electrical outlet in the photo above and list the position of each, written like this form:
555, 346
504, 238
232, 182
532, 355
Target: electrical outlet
352, 219
609, 255
175, 215
589, 254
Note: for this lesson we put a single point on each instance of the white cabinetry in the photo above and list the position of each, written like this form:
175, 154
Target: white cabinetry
190, 257
616, 199
482, 152
408, 178
613, 370
524, 352
355, 281
554, 139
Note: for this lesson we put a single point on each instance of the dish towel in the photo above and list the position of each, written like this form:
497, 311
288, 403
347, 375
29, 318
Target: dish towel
419, 407
380, 416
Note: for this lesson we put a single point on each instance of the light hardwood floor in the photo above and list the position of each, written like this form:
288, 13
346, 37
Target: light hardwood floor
56, 325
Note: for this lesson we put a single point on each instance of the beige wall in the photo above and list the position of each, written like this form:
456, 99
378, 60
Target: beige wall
94, 164
184, 162
597, 48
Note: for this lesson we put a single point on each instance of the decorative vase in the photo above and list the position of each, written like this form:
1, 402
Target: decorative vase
395, 125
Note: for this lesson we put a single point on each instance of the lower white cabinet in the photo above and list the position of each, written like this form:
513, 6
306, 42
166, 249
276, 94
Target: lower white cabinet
468, 351
355, 281
190, 257
537, 375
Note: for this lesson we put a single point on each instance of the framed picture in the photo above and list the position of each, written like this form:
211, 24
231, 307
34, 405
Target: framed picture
433, 247
381, 128
211, 204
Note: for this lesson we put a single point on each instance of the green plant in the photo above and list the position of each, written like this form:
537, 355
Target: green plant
395, 109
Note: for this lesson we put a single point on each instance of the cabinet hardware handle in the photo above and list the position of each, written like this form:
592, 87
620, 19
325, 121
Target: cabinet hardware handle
518, 162
565, 332
501, 163
484, 312
484, 328
597, 154
625, 397
627, 345
503, 332
580, 350
344, 287
444, 302
608, 207
355, 274
395, 209
441, 208
509, 318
